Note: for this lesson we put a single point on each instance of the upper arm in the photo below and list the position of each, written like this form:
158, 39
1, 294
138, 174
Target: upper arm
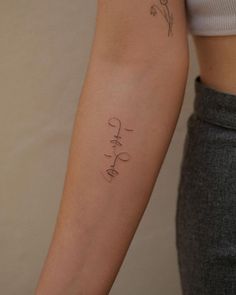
141, 31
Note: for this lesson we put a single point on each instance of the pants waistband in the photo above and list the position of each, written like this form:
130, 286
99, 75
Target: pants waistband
214, 106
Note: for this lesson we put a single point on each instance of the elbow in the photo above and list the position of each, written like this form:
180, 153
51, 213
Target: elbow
165, 61
166, 54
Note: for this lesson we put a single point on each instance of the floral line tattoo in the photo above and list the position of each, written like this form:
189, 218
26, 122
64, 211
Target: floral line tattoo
117, 155
162, 7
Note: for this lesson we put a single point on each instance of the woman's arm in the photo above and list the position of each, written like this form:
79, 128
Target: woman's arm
127, 113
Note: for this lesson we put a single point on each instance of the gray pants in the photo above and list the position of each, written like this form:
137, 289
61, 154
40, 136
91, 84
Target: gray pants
206, 205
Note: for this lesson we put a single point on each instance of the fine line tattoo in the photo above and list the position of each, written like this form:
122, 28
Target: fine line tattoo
162, 7
117, 155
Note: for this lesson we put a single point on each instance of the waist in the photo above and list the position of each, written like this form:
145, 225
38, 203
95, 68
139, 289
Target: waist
217, 61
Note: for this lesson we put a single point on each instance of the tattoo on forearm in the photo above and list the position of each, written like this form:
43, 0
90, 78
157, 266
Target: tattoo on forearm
163, 7
117, 155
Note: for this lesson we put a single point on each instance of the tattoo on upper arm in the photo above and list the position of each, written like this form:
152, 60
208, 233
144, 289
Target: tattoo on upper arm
117, 155
163, 7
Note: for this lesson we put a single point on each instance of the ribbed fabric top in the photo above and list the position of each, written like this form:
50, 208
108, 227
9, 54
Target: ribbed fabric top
211, 17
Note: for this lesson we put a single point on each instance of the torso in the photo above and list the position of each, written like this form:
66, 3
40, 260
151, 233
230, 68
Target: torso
217, 61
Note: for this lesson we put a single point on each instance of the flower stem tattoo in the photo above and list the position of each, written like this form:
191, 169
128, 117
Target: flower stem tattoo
117, 154
162, 7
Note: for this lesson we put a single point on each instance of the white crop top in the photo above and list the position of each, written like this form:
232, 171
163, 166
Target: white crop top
211, 17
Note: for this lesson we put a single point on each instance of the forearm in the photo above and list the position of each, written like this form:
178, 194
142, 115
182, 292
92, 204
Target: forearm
125, 121
99, 213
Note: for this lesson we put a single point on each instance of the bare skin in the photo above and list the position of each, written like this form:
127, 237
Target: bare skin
217, 61
127, 114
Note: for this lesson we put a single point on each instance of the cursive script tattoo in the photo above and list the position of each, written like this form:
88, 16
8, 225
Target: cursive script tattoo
117, 155
162, 7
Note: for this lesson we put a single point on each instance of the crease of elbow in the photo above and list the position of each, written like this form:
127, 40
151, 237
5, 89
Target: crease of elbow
165, 54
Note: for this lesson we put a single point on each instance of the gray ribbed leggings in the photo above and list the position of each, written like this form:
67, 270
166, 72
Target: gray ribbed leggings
206, 205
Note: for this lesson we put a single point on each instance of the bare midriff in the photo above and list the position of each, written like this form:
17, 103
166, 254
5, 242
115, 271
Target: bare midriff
217, 61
